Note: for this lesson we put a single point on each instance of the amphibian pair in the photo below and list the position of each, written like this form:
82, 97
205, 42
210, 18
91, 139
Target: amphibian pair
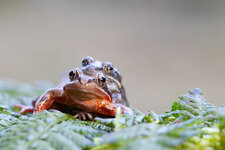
93, 89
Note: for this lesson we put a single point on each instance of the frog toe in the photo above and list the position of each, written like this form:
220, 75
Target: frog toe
84, 116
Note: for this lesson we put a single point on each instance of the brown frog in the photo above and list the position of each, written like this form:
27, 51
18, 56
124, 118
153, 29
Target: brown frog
95, 88
112, 75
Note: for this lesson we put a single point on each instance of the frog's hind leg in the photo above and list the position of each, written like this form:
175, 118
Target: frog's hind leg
46, 100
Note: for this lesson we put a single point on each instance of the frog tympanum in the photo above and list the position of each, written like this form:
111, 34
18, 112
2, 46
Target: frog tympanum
93, 89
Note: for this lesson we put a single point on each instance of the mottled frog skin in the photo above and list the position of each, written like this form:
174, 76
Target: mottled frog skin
95, 88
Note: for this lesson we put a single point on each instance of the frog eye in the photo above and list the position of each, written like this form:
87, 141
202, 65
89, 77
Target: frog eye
87, 60
101, 79
73, 74
108, 67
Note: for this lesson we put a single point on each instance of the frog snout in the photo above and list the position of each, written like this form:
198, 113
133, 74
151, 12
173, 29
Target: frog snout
83, 80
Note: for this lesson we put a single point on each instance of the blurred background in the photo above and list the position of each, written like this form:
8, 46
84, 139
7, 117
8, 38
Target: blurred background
161, 48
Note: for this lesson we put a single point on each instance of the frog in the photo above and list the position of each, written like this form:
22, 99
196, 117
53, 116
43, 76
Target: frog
93, 89
112, 75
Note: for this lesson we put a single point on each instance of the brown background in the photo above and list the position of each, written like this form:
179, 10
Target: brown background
162, 48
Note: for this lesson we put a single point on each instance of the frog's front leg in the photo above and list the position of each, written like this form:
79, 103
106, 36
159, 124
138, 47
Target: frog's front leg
25, 108
82, 115
46, 100
104, 107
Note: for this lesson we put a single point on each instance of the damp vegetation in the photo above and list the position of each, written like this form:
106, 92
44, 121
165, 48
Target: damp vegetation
192, 123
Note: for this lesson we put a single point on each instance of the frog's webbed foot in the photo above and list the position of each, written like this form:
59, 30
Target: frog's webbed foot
24, 108
84, 116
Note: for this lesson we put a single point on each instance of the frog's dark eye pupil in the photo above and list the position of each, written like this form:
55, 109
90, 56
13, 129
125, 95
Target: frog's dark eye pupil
85, 62
110, 68
71, 73
103, 79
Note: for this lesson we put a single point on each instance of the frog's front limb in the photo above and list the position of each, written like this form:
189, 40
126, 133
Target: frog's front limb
24, 108
104, 107
113, 107
46, 100
84, 115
